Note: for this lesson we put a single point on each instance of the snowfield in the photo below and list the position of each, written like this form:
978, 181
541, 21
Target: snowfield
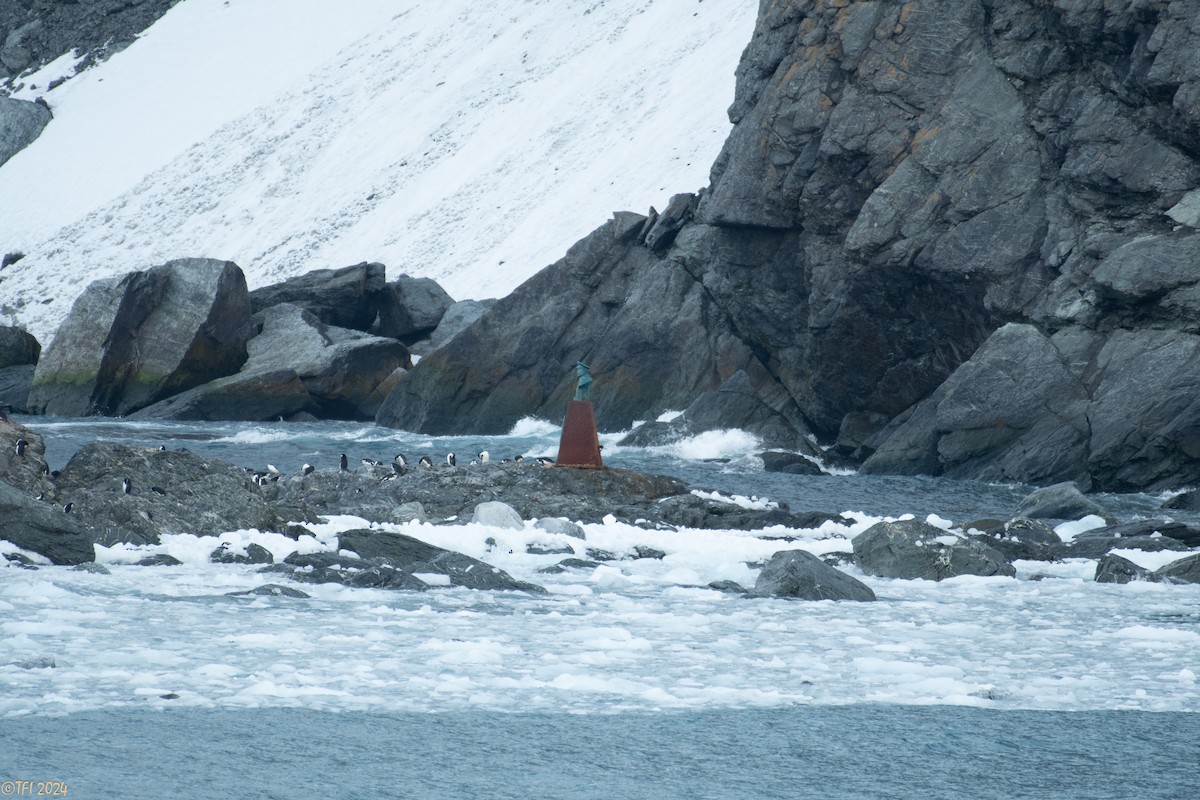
471, 143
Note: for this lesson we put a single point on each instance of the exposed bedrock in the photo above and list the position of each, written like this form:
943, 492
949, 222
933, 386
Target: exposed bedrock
902, 182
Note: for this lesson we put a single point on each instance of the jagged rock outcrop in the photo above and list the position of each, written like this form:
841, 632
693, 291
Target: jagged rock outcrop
20, 123
170, 491
18, 347
135, 339
35, 32
902, 181
26, 469
43, 528
456, 319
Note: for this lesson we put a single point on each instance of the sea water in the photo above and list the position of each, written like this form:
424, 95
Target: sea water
630, 679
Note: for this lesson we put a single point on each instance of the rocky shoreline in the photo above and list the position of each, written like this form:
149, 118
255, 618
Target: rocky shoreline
111, 494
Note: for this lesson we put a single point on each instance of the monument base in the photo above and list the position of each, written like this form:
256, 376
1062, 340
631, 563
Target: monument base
580, 445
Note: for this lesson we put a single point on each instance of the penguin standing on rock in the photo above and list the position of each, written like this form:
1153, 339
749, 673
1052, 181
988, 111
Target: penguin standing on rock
307, 469
426, 462
67, 508
126, 486
21, 445
345, 463
484, 456
450, 460
400, 459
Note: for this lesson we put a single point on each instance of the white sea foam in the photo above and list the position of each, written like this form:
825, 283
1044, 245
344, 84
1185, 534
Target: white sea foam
258, 436
533, 426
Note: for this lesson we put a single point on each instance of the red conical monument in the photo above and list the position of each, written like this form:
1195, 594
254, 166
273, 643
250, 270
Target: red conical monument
580, 444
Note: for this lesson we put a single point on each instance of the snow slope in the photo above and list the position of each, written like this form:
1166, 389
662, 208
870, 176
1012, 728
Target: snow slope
472, 143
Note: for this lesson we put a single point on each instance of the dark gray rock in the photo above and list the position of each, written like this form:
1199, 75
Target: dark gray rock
457, 318
915, 549
1020, 539
43, 528
171, 492
414, 556
653, 553
132, 340
728, 587
1097, 543
348, 571
270, 590
351, 297
1185, 570
1060, 501
26, 471
800, 574
900, 181
412, 308
15, 383
1115, 569
35, 32
20, 123
497, 515
561, 527
1187, 533
252, 395
159, 560
18, 347
790, 463
254, 554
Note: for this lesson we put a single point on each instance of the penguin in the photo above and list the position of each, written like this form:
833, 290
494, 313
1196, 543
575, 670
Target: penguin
370, 462
126, 486
21, 445
41, 496
401, 460
345, 463
162, 448
271, 468
484, 457
159, 490
397, 469
45, 472
545, 461
307, 469
472, 462
67, 508
451, 460
519, 459
426, 462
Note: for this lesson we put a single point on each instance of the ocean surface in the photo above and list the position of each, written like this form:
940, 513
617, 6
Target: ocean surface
627, 680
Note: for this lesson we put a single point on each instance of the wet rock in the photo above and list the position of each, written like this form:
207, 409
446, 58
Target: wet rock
915, 549
254, 554
1060, 501
800, 574
790, 463
159, 560
26, 470
251, 395
729, 587
92, 567
456, 319
1185, 570
414, 556
134, 339
653, 553
1097, 543
547, 549
1019, 539
1115, 569
270, 590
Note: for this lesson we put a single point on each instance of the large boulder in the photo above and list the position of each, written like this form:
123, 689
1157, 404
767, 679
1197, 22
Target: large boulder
43, 528
170, 491
412, 308
1185, 570
800, 574
457, 318
296, 363
20, 123
18, 347
135, 339
351, 297
1060, 501
1020, 538
915, 549
26, 469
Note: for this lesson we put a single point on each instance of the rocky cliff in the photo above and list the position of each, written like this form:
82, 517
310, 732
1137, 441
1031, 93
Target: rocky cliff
972, 218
